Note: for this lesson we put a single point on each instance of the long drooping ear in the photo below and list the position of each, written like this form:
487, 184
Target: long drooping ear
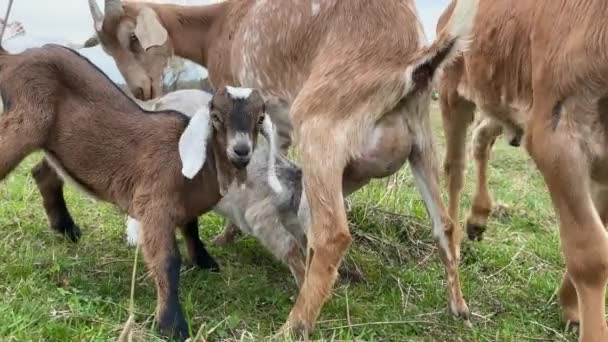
149, 31
268, 131
193, 143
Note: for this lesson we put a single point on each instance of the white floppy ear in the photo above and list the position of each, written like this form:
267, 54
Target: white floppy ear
268, 131
193, 143
149, 31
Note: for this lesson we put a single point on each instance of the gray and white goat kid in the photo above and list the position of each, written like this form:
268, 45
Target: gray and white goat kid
265, 207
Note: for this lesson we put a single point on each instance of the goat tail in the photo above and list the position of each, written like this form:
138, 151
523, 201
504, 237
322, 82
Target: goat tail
4, 24
450, 42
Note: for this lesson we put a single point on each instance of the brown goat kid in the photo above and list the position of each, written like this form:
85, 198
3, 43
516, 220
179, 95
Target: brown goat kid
541, 67
163, 168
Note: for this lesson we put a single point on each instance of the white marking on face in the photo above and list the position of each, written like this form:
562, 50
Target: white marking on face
240, 138
238, 93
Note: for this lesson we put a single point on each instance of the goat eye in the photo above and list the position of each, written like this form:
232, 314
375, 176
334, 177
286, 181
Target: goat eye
261, 119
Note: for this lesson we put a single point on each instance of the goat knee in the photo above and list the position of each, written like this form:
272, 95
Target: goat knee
50, 186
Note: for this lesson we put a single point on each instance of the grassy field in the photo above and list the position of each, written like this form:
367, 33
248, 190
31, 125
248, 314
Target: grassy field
54, 290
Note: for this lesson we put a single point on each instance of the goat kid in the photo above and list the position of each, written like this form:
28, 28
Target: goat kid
266, 207
163, 168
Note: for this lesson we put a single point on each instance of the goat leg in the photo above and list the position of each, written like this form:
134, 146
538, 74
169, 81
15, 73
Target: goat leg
196, 248
161, 255
228, 236
50, 186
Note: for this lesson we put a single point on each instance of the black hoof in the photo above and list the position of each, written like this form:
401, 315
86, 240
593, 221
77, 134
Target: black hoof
173, 325
351, 275
70, 230
206, 262
475, 231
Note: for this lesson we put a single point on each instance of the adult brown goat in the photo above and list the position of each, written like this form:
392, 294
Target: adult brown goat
163, 168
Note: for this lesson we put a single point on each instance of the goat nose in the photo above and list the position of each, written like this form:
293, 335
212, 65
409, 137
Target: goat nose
139, 93
241, 150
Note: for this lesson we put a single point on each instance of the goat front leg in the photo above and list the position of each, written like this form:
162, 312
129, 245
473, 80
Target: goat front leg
328, 236
265, 224
446, 232
163, 260
50, 186
196, 248
230, 233
484, 136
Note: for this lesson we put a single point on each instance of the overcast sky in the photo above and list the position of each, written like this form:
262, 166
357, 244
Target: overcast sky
65, 21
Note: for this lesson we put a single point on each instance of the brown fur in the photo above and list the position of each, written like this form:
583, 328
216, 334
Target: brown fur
541, 67
92, 133
353, 75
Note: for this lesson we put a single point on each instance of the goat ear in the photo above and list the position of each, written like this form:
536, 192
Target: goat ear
149, 31
91, 42
193, 143
268, 131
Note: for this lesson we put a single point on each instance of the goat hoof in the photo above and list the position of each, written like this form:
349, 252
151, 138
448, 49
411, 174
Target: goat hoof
293, 330
475, 231
222, 240
351, 275
173, 325
69, 230
206, 262
460, 310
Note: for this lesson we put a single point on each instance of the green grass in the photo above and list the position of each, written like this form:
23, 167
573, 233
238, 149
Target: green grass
54, 290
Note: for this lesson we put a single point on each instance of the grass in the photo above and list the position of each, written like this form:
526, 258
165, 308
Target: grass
54, 290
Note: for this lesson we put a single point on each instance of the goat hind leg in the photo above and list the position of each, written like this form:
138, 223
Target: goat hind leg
584, 239
50, 186
568, 298
457, 116
196, 248
446, 232
484, 136
329, 237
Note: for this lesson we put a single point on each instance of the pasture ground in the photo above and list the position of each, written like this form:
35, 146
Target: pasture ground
54, 290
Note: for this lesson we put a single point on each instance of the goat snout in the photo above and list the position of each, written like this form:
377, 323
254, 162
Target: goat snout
240, 155
242, 150
144, 92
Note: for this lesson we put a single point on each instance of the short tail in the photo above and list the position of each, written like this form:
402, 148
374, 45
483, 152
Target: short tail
451, 41
4, 25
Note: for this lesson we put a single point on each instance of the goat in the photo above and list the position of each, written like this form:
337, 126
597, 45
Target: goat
540, 69
265, 208
356, 94
162, 168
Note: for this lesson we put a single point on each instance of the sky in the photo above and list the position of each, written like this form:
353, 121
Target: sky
69, 21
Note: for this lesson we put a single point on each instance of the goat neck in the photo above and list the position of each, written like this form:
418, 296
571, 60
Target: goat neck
192, 28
